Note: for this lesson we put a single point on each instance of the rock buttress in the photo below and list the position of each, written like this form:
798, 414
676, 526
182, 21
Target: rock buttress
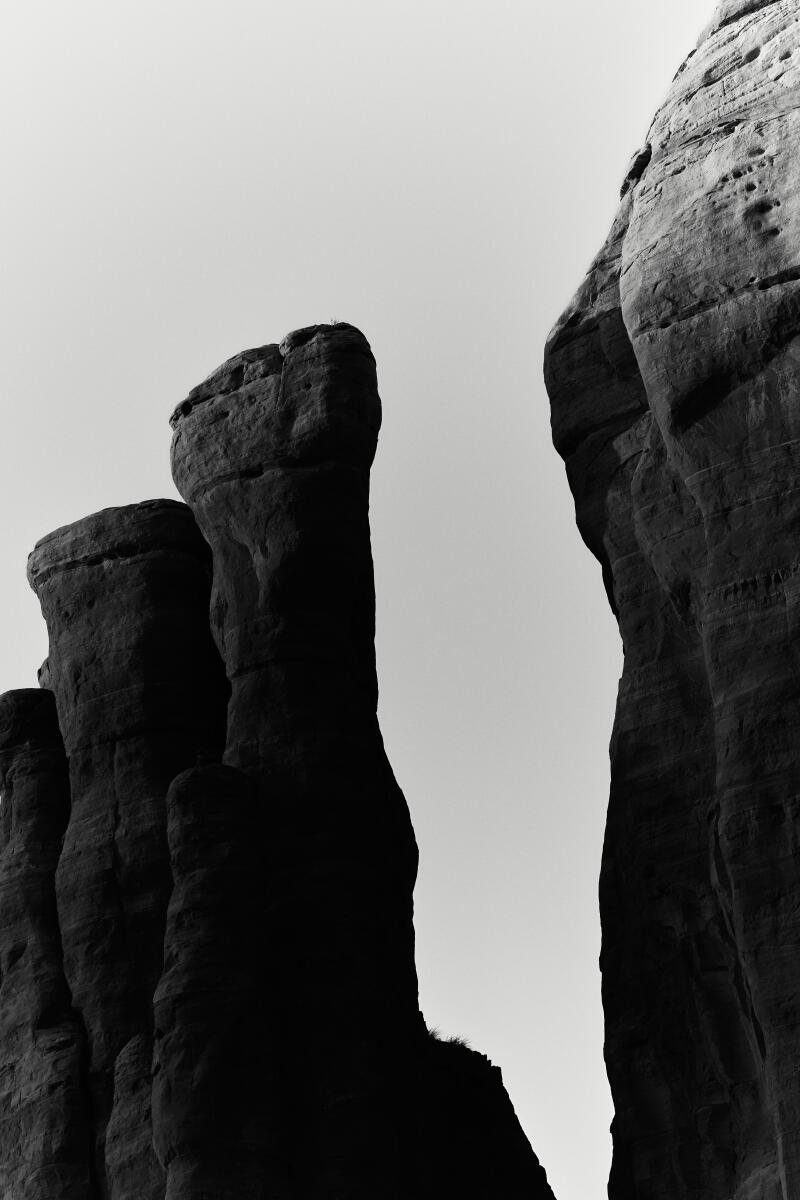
674, 379
45, 1134
273, 453
140, 695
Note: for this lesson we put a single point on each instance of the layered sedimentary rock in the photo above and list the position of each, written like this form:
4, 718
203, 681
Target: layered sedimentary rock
674, 379
140, 695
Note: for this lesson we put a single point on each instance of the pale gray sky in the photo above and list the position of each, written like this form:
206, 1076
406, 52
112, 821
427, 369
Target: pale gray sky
185, 178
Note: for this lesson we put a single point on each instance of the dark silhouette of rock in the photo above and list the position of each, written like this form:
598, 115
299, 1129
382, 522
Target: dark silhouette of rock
208, 986
217, 1097
140, 695
277, 474
672, 377
45, 1139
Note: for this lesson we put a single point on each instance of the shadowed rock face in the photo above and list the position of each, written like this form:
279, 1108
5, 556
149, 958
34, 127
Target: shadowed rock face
674, 377
208, 988
140, 695
217, 1114
45, 1140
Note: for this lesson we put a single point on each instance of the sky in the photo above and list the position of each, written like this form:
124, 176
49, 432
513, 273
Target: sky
183, 179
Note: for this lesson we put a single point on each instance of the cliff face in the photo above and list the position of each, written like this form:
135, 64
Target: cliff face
673, 378
207, 948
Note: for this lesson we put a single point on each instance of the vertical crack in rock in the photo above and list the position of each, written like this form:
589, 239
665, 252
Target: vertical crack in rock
140, 694
45, 1137
673, 378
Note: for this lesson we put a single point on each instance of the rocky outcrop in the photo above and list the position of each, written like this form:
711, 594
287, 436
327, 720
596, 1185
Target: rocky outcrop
672, 376
208, 985
140, 695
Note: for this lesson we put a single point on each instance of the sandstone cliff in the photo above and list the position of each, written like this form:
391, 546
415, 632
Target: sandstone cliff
673, 377
208, 985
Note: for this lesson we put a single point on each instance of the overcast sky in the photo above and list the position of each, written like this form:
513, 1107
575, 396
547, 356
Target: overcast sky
183, 179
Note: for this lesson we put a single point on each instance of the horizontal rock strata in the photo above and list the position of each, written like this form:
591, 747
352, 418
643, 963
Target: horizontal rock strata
673, 377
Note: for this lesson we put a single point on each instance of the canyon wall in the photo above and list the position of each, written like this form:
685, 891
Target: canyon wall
207, 977
674, 378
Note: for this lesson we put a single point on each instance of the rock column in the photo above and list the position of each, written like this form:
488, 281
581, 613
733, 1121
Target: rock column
45, 1131
140, 695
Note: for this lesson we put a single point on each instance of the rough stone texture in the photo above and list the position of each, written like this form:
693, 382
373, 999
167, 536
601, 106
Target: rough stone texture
273, 454
673, 377
140, 695
45, 1143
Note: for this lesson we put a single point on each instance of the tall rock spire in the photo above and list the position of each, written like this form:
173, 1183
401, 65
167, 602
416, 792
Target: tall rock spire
207, 975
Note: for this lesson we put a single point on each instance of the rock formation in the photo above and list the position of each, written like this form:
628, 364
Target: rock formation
673, 377
45, 1143
208, 985
140, 695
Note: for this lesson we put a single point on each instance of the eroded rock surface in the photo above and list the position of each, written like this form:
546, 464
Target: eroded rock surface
673, 377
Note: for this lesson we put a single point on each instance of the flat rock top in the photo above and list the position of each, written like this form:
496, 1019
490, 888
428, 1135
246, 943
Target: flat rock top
116, 533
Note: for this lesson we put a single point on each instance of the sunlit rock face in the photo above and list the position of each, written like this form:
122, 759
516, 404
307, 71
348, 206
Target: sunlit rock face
207, 976
674, 378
